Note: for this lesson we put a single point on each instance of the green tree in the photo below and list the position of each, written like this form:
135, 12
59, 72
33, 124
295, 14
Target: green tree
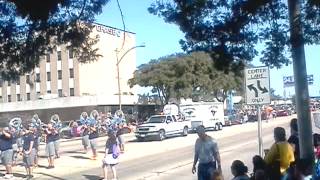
230, 30
31, 28
274, 96
185, 76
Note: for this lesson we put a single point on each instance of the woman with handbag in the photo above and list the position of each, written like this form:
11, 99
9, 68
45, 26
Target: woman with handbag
111, 157
280, 155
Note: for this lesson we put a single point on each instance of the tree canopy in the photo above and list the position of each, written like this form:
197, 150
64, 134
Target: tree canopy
31, 28
185, 76
230, 30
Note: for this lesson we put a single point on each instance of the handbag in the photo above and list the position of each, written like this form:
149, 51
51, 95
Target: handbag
273, 170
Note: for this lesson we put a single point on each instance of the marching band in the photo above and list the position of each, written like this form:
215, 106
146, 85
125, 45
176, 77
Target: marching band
17, 139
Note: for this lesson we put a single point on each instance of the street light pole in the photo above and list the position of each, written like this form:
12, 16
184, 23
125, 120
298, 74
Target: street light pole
118, 71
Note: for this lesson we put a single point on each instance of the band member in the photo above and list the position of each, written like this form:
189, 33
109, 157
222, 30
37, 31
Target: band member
50, 151
85, 130
36, 144
6, 151
29, 151
36, 123
57, 125
93, 133
15, 138
120, 129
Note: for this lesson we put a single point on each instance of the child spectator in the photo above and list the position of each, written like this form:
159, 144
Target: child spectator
111, 157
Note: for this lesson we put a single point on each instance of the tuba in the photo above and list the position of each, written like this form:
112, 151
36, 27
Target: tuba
94, 118
36, 122
16, 123
55, 121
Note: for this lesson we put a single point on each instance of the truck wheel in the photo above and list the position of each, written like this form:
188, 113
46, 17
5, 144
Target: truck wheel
216, 127
161, 135
220, 126
185, 131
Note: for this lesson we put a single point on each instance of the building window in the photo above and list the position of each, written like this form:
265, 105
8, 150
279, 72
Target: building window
59, 56
49, 92
28, 79
48, 58
60, 92
9, 83
71, 91
18, 82
38, 77
59, 74
70, 53
28, 97
71, 73
9, 98
18, 97
48, 76
1, 82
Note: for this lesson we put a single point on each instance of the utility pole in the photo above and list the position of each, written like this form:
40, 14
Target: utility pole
301, 84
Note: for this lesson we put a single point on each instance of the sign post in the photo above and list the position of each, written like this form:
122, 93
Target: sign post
257, 83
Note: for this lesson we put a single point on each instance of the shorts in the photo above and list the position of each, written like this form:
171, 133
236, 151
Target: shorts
120, 139
28, 159
50, 149
93, 143
6, 157
109, 160
19, 142
85, 140
14, 147
56, 145
205, 170
38, 139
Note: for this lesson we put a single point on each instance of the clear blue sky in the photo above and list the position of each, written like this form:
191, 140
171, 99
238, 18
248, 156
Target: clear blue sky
162, 39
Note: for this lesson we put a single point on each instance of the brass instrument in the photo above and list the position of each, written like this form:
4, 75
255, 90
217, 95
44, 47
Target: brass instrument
55, 121
16, 123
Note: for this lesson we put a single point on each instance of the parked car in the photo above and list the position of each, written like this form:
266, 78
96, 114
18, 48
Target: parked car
282, 112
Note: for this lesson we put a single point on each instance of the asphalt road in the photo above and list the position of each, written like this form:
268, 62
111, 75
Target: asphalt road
176, 164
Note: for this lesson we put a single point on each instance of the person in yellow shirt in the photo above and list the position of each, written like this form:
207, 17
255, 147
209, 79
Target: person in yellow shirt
280, 151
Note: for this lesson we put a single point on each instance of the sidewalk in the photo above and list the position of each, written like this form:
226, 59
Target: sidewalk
76, 161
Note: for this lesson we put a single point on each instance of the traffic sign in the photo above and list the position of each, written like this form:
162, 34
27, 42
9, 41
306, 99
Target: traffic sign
257, 85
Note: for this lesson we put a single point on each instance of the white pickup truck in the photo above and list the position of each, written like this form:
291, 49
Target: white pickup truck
162, 126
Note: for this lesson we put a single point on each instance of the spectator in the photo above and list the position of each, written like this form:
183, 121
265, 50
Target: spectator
258, 165
280, 156
112, 153
207, 153
294, 138
239, 170
259, 175
303, 169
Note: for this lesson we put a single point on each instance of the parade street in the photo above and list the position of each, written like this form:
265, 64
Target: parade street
168, 159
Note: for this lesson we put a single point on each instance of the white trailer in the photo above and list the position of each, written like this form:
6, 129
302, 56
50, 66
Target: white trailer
208, 114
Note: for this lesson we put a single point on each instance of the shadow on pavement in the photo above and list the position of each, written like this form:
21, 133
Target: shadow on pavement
51, 176
80, 157
92, 177
72, 152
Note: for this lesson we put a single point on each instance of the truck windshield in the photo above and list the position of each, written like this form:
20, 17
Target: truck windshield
157, 119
